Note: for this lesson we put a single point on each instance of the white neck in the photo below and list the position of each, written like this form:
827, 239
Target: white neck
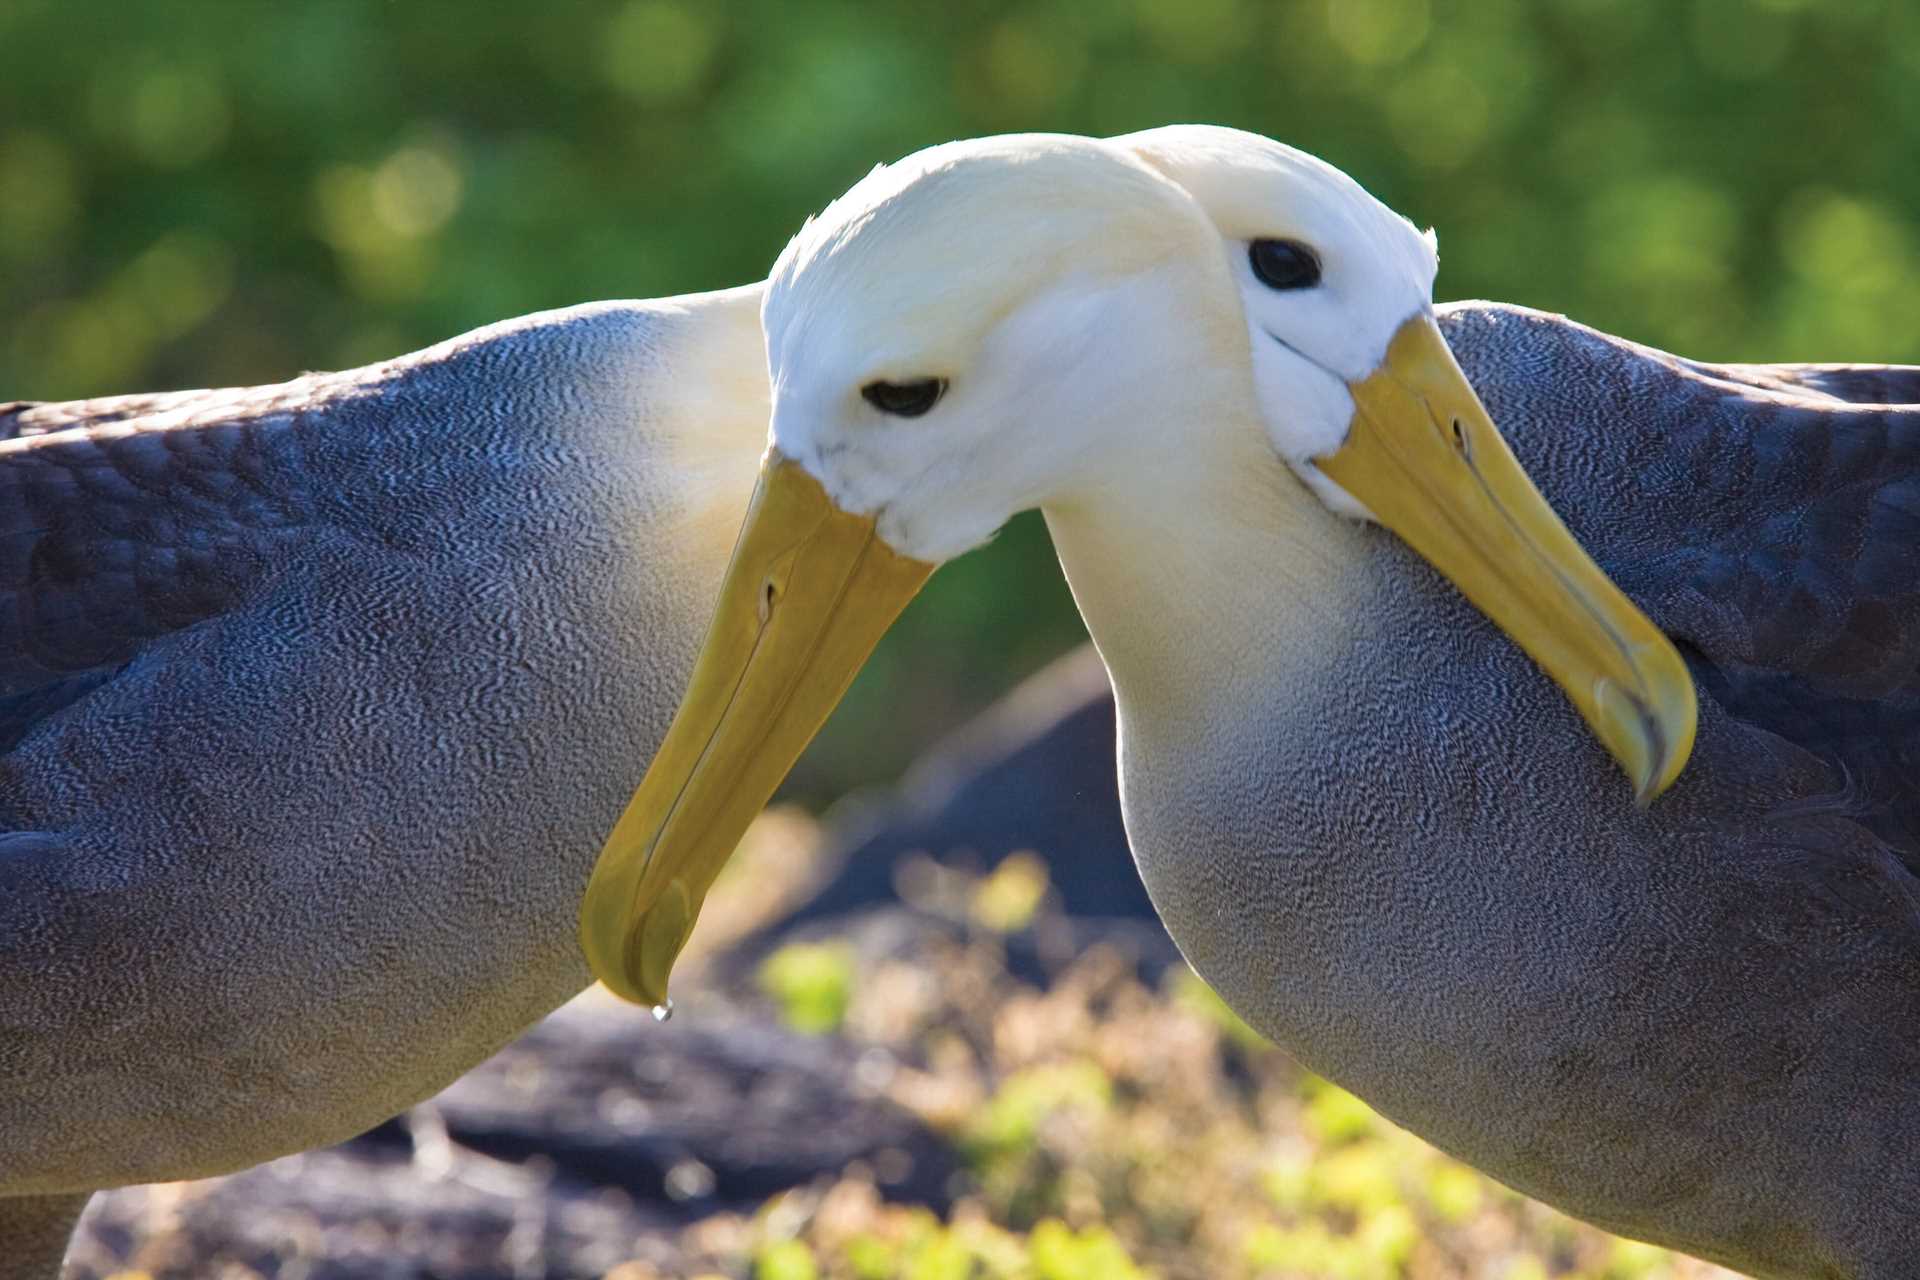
1206, 573
711, 412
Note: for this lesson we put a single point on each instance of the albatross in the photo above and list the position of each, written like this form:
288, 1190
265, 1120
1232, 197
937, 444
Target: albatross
316, 703
1554, 791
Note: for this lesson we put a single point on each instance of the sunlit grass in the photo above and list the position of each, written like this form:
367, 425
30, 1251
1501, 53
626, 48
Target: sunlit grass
1114, 1130
1006, 900
812, 985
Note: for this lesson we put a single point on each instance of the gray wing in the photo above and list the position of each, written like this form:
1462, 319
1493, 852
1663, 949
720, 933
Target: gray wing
125, 520
22, 418
1853, 383
1767, 517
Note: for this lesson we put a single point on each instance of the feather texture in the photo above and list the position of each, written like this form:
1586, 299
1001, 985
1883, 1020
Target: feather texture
1391, 844
1767, 517
316, 701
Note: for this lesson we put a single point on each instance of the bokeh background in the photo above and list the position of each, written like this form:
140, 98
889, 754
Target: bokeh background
207, 192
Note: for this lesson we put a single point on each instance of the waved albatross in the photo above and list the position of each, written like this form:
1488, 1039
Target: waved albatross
316, 703
1368, 817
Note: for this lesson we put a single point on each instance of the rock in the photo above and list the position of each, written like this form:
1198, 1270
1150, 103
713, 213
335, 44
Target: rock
591, 1140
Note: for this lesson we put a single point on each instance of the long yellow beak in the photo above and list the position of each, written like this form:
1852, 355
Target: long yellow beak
809, 593
1428, 462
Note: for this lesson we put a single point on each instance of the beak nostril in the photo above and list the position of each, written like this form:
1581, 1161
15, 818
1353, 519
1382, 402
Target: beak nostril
769, 592
1460, 436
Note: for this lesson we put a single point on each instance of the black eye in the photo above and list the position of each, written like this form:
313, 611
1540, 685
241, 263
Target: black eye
904, 399
1284, 264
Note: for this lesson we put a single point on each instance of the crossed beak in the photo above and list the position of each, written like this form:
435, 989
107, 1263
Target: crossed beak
812, 588
1427, 461
809, 593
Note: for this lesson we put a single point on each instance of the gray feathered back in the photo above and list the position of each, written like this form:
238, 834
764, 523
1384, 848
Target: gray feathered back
1766, 517
316, 701
1404, 857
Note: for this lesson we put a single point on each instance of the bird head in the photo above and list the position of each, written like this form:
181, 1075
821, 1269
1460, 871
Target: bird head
1043, 320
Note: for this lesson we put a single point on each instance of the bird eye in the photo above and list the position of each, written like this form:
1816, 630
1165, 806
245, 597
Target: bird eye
904, 399
1284, 264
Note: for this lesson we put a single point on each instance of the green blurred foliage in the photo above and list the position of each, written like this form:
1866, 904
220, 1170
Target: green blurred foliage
1111, 1130
1008, 1125
811, 983
786, 1260
199, 192
1008, 900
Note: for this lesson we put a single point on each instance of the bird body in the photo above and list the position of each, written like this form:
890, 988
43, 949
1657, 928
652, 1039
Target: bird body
1371, 656
1696, 1022
316, 701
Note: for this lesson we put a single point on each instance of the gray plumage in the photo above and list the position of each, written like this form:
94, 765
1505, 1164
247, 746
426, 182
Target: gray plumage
1407, 861
321, 697
316, 702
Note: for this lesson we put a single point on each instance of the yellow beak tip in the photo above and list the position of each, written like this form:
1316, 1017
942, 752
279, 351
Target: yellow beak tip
662, 933
1652, 786
1651, 735
1425, 458
631, 983
809, 592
